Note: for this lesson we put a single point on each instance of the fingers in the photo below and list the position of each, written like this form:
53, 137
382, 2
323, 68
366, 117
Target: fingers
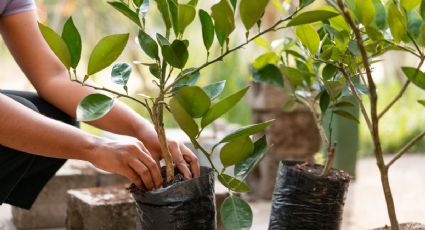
133, 177
150, 166
143, 173
192, 159
179, 160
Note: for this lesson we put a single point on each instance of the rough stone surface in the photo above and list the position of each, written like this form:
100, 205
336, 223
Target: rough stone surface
104, 208
49, 210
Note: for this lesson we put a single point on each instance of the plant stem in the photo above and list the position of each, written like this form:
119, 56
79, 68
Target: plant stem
274, 27
374, 118
406, 148
329, 162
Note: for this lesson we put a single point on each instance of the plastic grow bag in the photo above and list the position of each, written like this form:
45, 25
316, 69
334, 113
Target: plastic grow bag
182, 206
304, 201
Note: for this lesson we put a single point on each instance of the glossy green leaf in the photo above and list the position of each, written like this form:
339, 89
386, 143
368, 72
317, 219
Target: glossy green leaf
214, 90
93, 107
309, 37
193, 3
164, 9
162, 41
409, 4
236, 151
56, 44
414, 23
174, 13
194, 100
244, 168
295, 76
246, 131
236, 214
155, 70
107, 50
207, 28
381, 14
217, 110
329, 71
183, 119
223, 16
422, 102
148, 44
125, 10
269, 74
121, 73
346, 115
422, 10
72, 39
397, 21
233, 184
251, 11
367, 12
312, 16
334, 88
187, 80
264, 59
176, 54
138, 3
324, 102
416, 76
187, 14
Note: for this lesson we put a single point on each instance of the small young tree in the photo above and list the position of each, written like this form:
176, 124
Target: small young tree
331, 60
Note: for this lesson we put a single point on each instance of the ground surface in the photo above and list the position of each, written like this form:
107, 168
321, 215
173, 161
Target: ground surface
365, 208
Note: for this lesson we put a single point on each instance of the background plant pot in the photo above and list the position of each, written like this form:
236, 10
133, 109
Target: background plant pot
183, 205
303, 200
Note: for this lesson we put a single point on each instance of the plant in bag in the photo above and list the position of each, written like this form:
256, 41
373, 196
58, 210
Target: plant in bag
333, 59
183, 204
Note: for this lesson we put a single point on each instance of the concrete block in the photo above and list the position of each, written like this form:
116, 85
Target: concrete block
49, 210
104, 208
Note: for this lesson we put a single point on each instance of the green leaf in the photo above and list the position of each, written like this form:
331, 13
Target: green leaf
329, 71
107, 50
222, 107
367, 12
334, 88
148, 44
214, 90
162, 40
207, 28
397, 22
252, 11
264, 59
422, 102
324, 102
244, 168
312, 16
409, 4
416, 76
246, 131
187, 80
309, 37
343, 104
347, 115
422, 9
236, 151
138, 3
174, 13
223, 16
56, 44
269, 74
233, 183
184, 120
72, 39
155, 70
236, 214
125, 10
194, 100
295, 76
193, 3
121, 73
164, 9
187, 14
176, 54
93, 107
381, 14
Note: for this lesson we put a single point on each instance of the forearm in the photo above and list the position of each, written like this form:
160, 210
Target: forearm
27, 131
66, 95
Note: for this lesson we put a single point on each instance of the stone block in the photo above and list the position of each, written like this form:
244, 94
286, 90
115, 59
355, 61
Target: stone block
49, 210
103, 208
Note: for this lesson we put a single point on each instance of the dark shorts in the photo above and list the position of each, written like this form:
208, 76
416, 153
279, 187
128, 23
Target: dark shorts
23, 175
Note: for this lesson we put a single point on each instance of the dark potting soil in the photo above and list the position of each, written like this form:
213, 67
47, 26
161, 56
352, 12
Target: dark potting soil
316, 170
406, 226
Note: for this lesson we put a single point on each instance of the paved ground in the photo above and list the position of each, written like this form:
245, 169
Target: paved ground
365, 206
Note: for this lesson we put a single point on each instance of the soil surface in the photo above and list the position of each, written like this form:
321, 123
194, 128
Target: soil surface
178, 177
316, 170
406, 226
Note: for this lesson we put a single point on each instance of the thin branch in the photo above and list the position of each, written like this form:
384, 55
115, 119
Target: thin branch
111, 91
329, 162
357, 97
229, 51
415, 44
405, 149
402, 48
401, 93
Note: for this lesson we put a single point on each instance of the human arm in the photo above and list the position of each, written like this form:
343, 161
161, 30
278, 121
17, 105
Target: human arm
51, 81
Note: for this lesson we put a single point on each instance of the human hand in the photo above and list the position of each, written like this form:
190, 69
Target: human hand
129, 159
